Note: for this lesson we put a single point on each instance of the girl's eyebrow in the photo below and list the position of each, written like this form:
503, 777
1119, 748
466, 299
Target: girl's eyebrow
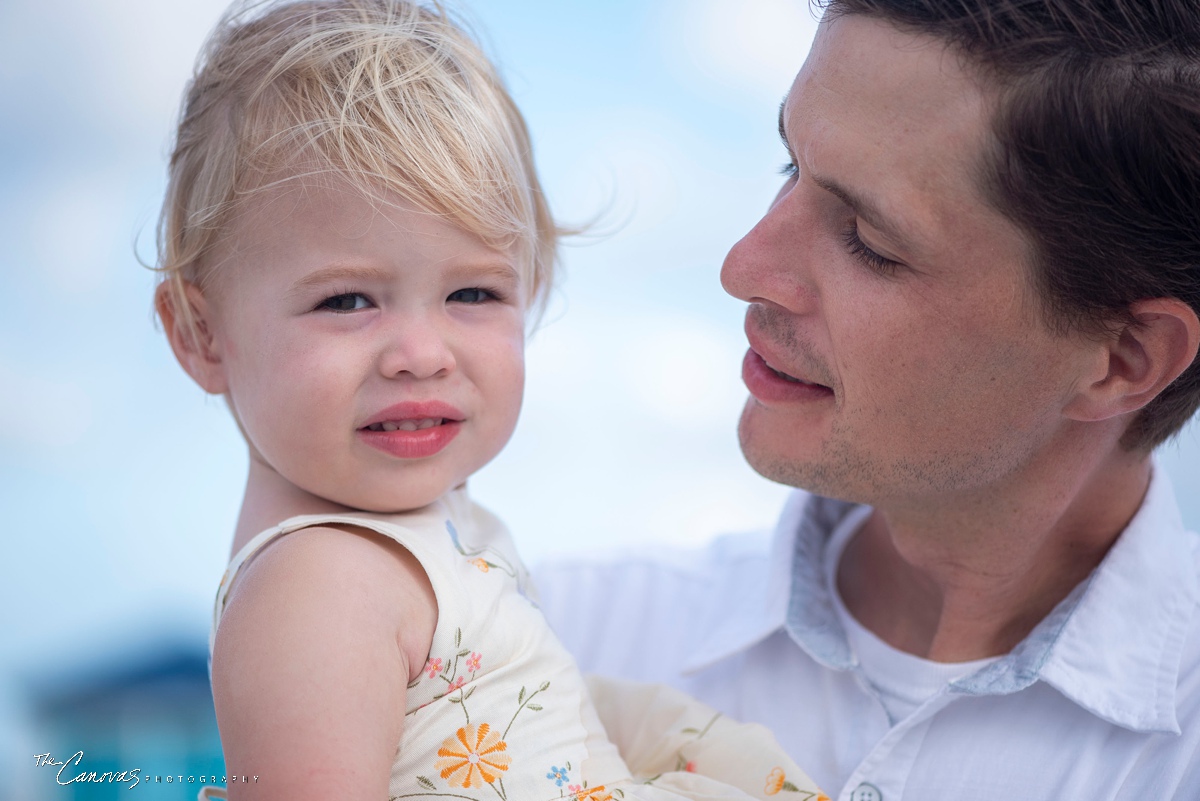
498, 270
350, 274
340, 272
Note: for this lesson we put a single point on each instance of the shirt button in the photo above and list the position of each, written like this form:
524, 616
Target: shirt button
866, 792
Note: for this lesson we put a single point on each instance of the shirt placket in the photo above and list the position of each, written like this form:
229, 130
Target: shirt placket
883, 773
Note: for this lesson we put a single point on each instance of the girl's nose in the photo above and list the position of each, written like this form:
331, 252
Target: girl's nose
417, 348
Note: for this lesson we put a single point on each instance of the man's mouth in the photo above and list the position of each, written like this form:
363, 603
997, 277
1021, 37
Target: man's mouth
793, 378
407, 425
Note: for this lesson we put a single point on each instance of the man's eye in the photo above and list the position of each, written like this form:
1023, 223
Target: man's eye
470, 295
859, 250
789, 170
348, 302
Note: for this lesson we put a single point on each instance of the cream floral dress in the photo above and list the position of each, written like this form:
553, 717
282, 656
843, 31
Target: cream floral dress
500, 710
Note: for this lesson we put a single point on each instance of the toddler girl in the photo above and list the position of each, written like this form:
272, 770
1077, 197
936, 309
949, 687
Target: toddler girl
352, 244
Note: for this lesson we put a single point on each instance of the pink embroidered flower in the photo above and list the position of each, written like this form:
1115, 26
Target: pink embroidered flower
473, 662
456, 684
574, 789
690, 767
433, 667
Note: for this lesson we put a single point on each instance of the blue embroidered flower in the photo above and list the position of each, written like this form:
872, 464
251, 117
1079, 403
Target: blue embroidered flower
559, 775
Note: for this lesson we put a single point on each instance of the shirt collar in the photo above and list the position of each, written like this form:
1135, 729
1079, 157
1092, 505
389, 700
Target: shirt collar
754, 609
1113, 646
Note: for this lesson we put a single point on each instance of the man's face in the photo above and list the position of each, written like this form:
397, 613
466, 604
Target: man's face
882, 278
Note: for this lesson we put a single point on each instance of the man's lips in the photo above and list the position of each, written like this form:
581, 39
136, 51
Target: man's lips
413, 429
769, 385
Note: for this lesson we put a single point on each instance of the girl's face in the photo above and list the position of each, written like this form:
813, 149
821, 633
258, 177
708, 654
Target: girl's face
372, 353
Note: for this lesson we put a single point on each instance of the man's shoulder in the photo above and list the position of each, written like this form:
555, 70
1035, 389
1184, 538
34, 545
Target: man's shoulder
640, 613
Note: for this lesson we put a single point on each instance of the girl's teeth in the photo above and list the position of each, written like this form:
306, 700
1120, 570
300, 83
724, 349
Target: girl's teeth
407, 425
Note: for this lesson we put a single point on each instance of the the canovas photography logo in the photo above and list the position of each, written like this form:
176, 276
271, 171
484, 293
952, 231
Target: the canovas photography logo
73, 770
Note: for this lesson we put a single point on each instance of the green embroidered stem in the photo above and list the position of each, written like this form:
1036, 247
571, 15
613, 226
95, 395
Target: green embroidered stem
704, 731
524, 703
498, 791
462, 701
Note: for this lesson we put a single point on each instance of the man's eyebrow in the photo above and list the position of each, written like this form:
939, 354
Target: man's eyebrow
862, 206
867, 210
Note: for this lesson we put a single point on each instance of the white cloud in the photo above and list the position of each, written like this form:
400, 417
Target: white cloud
716, 502
73, 231
683, 371
749, 46
37, 411
118, 65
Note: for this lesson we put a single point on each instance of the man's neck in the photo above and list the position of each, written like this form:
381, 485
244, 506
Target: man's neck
969, 577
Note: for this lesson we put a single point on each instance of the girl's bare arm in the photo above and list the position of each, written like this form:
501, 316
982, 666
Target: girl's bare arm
319, 640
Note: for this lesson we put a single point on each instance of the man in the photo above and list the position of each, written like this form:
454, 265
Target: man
973, 313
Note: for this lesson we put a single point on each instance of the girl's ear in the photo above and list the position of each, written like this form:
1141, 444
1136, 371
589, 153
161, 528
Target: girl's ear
189, 330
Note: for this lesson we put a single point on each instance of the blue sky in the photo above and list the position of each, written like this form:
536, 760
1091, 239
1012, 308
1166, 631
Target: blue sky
120, 480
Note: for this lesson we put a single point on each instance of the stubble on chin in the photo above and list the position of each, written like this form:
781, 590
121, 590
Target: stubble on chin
840, 468
828, 471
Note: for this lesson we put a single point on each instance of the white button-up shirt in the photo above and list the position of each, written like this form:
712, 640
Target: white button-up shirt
1100, 701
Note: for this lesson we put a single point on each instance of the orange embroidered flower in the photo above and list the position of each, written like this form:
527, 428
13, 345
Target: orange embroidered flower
481, 564
596, 793
474, 755
775, 781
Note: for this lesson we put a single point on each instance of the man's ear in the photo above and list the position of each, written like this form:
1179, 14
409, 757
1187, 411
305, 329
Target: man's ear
189, 330
1141, 360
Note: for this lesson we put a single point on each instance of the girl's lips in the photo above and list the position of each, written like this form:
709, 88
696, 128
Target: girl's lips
412, 429
415, 411
416, 444
770, 386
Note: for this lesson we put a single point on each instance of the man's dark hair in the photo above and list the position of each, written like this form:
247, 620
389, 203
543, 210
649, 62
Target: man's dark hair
1097, 155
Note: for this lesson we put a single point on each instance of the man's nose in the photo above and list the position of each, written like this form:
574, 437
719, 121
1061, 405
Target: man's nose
771, 263
417, 346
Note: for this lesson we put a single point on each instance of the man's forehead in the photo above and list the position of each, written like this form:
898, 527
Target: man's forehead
890, 119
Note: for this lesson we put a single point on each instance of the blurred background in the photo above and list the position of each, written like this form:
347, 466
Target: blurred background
120, 480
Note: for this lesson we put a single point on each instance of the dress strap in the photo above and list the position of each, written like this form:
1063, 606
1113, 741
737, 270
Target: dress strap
251, 549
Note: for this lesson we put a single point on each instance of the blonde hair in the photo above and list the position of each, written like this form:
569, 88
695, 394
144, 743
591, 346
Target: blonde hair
389, 94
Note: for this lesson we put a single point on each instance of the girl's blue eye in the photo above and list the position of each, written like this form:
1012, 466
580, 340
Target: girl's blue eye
470, 295
347, 302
